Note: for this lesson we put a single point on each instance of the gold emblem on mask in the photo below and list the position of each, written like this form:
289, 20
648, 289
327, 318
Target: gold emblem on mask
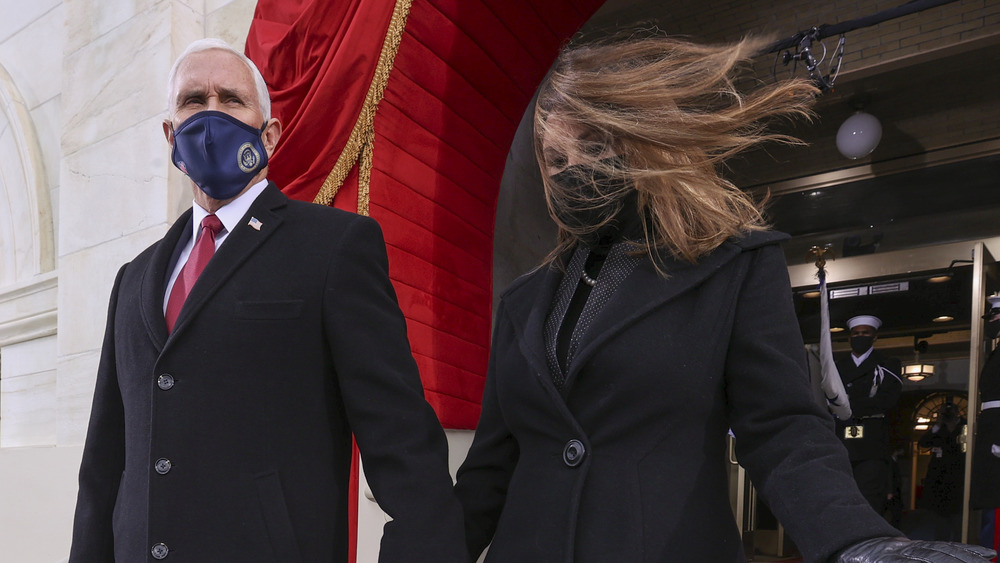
248, 158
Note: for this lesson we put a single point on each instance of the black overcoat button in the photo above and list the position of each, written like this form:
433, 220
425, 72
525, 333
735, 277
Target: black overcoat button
160, 551
163, 466
573, 453
165, 381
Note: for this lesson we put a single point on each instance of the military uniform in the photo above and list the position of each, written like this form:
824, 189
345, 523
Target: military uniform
985, 481
873, 388
986, 452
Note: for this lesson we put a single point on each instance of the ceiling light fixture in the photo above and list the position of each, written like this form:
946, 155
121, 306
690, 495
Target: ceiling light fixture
859, 135
917, 370
948, 273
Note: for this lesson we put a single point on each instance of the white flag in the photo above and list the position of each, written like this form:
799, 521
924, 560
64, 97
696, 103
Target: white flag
830, 381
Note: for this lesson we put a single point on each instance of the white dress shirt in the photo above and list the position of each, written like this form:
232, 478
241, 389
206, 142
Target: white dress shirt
230, 215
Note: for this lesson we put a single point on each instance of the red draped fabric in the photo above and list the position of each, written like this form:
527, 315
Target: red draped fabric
454, 93
318, 58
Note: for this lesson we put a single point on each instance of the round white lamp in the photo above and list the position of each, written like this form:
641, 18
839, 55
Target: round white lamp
859, 135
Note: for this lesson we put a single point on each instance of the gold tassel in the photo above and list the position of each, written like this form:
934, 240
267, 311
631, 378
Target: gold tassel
360, 144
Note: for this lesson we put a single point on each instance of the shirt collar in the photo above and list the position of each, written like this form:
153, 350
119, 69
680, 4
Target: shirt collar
230, 213
858, 360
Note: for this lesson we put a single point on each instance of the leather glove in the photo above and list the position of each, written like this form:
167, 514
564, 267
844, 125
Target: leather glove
902, 550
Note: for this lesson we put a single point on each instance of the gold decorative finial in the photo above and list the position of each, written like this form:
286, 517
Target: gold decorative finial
820, 253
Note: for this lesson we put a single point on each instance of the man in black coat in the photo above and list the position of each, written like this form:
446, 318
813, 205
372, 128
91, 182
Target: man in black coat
226, 399
873, 386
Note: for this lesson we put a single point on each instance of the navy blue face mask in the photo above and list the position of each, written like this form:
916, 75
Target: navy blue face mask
220, 153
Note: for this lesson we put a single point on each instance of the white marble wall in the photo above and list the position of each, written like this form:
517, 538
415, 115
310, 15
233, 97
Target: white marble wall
28, 409
86, 80
29, 162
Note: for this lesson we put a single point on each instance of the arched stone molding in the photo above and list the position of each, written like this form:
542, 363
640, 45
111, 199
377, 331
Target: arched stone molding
27, 255
26, 233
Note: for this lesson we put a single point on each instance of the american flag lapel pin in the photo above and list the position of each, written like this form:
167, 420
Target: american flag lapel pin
255, 223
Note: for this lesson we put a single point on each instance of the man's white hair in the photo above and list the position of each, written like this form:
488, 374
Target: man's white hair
207, 44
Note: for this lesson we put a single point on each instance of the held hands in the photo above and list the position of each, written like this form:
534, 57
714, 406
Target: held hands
902, 550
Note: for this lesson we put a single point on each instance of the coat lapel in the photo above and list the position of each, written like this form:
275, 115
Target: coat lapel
528, 307
238, 246
154, 279
527, 304
642, 291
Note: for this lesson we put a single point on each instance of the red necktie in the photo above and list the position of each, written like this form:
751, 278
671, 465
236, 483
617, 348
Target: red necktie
202, 252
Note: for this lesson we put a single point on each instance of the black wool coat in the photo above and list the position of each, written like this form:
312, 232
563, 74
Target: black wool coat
631, 464
229, 439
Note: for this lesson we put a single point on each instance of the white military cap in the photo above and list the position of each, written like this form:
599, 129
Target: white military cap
994, 301
867, 320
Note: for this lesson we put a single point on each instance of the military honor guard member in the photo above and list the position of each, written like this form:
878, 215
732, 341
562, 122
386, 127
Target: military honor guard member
873, 386
986, 450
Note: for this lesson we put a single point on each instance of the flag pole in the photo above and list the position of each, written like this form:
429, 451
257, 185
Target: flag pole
830, 382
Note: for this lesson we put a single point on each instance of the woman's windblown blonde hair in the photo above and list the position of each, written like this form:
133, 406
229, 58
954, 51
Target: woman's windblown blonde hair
672, 109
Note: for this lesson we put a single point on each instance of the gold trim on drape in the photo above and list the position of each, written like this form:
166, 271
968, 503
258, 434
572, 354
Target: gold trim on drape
359, 148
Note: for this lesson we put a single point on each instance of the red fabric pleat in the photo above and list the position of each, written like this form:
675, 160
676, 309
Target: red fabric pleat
464, 74
460, 82
318, 58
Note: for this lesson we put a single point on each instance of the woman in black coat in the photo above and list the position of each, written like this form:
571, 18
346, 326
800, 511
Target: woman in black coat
662, 320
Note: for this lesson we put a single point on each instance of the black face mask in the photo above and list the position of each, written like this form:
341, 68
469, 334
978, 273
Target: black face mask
861, 344
590, 184
992, 329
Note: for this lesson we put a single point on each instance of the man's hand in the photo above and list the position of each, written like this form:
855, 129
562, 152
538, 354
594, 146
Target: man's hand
902, 550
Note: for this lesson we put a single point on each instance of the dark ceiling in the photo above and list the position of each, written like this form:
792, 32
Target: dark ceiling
900, 210
932, 179
907, 304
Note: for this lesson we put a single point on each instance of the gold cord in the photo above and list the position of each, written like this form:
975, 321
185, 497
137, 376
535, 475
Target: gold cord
360, 145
